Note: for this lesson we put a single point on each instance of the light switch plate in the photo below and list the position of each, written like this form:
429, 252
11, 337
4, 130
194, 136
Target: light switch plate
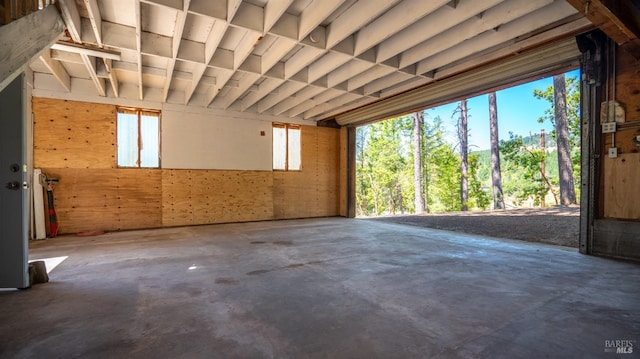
609, 127
613, 152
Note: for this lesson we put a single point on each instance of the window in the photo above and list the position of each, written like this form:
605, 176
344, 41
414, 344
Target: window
286, 147
138, 138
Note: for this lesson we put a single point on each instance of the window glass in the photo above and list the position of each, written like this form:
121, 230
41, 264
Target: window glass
149, 141
138, 138
127, 139
294, 149
279, 148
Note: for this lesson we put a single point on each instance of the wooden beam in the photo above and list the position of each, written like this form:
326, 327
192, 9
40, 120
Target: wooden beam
86, 50
90, 63
273, 11
177, 37
618, 19
43, 28
56, 69
95, 18
136, 9
113, 78
71, 17
315, 14
218, 30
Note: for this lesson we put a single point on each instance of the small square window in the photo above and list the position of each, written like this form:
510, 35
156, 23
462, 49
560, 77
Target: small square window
286, 147
138, 136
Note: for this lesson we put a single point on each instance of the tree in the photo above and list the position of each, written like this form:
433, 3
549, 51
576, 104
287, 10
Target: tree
572, 105
567, 187
463, 137
496, 175
525, 162
383, 177
418, 121
478, 197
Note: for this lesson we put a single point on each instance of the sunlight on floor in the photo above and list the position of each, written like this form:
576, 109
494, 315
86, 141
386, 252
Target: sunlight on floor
51, 263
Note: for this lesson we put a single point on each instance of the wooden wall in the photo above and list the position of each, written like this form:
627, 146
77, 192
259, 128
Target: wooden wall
75, 142
621, 175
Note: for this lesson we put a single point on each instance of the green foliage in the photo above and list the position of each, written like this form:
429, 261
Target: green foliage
478, 196
524, 178
384, 177
384, 156
573, 120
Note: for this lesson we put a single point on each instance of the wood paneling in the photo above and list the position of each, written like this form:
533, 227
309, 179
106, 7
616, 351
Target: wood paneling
75, 142
209, 196
327, 188
106, 199
622, 181
69, 134
621, 175
313, 191
342, 176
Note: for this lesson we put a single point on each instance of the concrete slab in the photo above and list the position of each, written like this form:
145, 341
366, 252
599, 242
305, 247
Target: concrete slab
319, 288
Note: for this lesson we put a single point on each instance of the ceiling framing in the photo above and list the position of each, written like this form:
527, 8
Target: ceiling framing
304, 59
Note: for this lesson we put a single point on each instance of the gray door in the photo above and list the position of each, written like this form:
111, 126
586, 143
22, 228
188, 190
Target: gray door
13, 195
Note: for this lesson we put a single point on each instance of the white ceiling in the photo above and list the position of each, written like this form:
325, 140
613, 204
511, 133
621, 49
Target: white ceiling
308, 59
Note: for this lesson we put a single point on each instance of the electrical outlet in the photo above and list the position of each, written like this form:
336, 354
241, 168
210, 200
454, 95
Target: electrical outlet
613, 152
609, 127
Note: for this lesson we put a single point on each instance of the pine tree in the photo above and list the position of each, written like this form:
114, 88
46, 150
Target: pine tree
463, 137
567, 187
496, 174
418, 124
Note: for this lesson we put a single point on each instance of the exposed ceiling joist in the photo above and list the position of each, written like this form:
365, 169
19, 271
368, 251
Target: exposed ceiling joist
306, 59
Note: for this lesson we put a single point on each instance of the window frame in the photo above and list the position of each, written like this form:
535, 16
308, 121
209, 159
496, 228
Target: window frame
140, 112
286, 127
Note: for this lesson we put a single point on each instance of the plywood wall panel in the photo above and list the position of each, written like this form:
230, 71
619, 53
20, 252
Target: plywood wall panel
75, 142
313, 191
327, 195
342, 173
622, 180
207, 196
139, 198
176, 198
240, 196
70, 134
627, 85
106, 199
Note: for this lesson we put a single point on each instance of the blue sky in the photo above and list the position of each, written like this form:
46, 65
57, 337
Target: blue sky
518, 112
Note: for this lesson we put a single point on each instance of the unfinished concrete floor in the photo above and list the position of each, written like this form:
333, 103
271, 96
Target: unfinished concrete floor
319, 288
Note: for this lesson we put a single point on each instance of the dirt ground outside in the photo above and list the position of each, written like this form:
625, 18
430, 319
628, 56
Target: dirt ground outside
552, 225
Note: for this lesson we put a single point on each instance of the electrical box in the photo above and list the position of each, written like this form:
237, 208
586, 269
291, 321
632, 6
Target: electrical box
609, 127
613, 152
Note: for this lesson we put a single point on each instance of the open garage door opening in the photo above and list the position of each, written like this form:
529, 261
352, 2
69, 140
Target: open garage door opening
504, 163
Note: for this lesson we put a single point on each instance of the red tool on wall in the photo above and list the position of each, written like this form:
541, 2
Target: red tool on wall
48, 183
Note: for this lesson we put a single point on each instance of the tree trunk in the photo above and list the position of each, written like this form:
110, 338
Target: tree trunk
496, 174
565, 170
418, 119
464, 156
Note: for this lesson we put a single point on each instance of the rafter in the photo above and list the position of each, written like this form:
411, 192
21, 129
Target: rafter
213, 40
138, 19
95, 19
181, 18
536, 19
314, 14
56, 69
90, 63
472, 27
393, 21
431, 25
354, 18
